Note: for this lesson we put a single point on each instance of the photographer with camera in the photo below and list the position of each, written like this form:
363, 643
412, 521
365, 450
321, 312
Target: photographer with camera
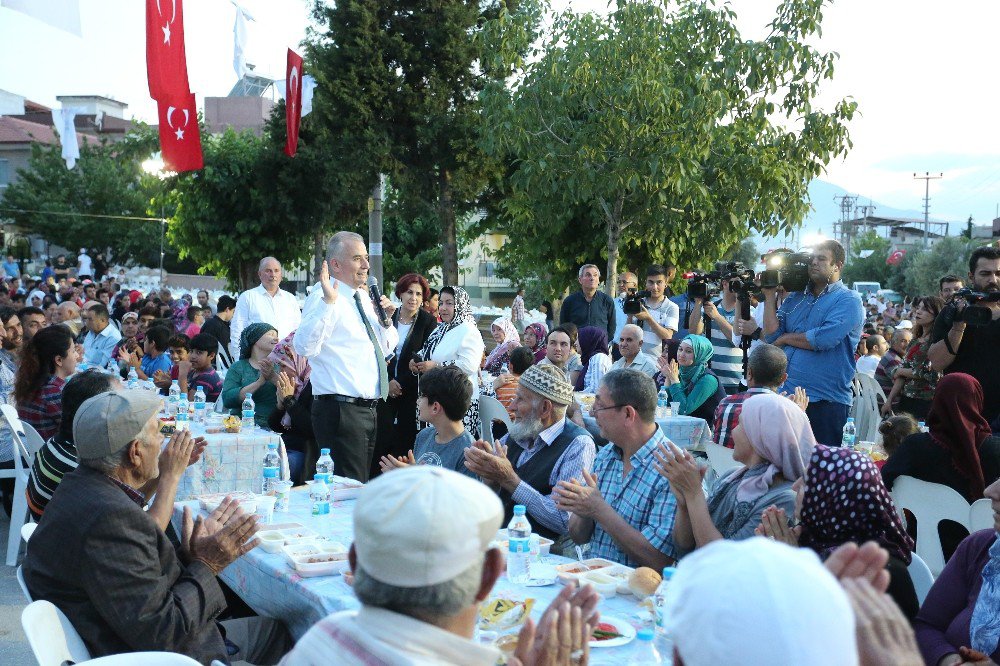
966, 336
718, 316
819, 326
652, 311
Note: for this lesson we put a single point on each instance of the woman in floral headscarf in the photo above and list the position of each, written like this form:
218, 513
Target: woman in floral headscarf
292, 416
179, 311
690, 382
534, 337
456, 341
253, 374
507, 339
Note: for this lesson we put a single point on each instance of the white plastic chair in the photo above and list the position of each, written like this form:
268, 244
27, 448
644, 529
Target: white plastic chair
51, 635
981, 515
145, 659
223, 359
24, 586
19, 511
921, 576
33, 442
930, 503
490, 409
720, 458
27, 530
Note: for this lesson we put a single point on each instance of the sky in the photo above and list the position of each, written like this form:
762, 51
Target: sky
923, 74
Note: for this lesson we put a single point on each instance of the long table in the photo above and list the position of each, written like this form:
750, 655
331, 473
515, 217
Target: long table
231, 462
271, 587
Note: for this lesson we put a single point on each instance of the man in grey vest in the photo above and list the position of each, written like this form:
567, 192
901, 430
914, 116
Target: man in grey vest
542, 448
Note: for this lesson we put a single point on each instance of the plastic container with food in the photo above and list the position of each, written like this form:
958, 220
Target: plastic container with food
345, 489
299, 533
583, 566
320, 559
271, 541
603, 583
211, 501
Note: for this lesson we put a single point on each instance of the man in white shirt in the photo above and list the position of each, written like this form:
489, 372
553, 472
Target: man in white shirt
659, 316
101, 337
630, 345
267, 303
877, 347
346, 346
83, 264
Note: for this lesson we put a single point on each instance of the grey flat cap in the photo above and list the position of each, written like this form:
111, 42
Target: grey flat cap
106, 423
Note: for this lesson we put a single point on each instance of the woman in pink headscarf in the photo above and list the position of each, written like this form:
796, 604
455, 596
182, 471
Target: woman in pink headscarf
774, 441
507, 338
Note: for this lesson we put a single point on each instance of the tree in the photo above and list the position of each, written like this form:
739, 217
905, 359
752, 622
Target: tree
871, 268
398, 94
921, 269
106, 184
657, 126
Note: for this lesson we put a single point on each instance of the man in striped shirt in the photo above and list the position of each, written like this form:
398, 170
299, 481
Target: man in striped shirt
766, 367
58, 456
718, 316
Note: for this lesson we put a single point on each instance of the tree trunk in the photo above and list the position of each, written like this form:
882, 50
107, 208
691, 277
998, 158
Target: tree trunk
613, 220
319, 252
449, 236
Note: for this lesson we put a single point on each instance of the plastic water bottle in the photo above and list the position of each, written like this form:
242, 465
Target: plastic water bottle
660, 602
921, 426
519, 550
173, 397
850, 434
248, 415
199, 405
133, 378
645, 653
183, 417
324, 464
319, 493
271, 459
270, 478
662, 404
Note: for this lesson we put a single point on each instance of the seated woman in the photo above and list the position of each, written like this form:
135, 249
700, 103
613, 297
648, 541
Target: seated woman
507, 339
961, 610
594, 357
47, 361
773, 440
292, 416
534, 337
842, 499
253, 374
690, 382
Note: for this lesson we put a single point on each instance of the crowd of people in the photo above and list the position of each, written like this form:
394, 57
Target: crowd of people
393, 390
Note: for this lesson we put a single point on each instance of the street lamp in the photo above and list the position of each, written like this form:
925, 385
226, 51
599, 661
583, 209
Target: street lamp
154, 166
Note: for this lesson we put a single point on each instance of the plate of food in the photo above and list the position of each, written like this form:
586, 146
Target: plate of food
612, 632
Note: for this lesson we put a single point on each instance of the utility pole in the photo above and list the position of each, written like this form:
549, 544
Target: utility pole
847, 207
927, 178
375, 233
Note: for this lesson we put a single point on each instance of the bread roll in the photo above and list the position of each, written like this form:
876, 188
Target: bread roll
643, 582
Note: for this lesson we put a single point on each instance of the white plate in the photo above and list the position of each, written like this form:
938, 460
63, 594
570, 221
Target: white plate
626, 630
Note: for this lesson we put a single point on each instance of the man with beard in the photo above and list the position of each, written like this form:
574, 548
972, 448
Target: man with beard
974, 350
32, 321
542, 448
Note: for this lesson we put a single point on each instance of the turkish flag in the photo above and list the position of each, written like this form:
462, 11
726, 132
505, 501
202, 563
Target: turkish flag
895, 257
180, 137
166, 63
293, 102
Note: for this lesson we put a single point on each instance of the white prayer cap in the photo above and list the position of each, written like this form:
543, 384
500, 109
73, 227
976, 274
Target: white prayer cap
906, 324
765, 603
423, 525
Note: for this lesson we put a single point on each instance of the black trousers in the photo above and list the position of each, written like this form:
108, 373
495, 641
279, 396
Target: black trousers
396, 430
348, 430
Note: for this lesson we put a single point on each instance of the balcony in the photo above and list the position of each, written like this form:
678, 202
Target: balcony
488, 276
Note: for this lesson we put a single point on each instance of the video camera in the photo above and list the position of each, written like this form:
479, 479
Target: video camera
633, 301
786, 269
707, 285
976, 315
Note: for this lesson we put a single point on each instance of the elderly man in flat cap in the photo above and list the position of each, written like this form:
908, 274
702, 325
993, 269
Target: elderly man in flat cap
542, 448
422, 565
110, 568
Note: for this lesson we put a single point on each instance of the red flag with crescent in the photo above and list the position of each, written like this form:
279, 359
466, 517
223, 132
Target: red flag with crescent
896, 257
293, 102
166, 63
180, 136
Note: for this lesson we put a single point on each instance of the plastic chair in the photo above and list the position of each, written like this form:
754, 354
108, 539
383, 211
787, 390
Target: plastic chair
24, 586
223, 359
19, 511
930, 503
490, 410
51, 635
720, 459
27, 530
921, 576
33, 442
145, 658
981, 515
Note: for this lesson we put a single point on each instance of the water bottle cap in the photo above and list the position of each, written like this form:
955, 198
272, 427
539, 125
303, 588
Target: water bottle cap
850, 419
668, 572
645, 635
272, 445
175, 382
324, 452
270, 472
519, 509
321, 478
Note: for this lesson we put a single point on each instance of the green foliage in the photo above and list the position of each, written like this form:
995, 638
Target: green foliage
921, 269
746, 252
107, 180
873, 267
654, 133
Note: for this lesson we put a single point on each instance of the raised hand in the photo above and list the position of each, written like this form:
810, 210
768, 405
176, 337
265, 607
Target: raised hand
329, 287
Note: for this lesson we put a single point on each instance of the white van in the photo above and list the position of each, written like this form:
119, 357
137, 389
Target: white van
866, 289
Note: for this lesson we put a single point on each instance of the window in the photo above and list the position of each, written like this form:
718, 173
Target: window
4, 173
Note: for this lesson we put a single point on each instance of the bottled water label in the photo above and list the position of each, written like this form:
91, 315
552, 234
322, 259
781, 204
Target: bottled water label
321, 508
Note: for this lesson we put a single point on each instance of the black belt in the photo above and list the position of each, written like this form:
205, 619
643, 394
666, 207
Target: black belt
351, 400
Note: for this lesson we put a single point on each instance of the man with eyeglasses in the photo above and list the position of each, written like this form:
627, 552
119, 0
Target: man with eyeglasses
625, 508
819, 329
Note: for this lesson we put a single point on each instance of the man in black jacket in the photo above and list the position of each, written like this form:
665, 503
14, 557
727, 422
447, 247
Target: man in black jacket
589, 307
218, 327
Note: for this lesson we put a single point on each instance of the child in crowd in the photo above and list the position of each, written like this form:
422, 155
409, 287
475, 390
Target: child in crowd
180, 347
196, 317
155, 358
201, 362
894, 430
445, 396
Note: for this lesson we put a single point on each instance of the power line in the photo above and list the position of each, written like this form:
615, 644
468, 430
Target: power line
68, 214
927, 178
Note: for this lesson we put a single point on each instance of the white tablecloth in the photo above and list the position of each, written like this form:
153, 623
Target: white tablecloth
231, 462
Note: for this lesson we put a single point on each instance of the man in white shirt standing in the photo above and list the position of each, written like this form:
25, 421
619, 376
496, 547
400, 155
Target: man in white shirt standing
659, 316
267, 303
83, 265
346, 345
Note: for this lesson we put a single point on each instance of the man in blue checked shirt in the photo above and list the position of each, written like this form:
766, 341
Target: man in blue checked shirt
819, 329
625, 508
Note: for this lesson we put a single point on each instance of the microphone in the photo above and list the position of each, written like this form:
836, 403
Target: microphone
376, 295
